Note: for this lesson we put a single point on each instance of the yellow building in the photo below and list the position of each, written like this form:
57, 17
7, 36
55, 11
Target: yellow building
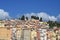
5, 34
33, 35
53, 36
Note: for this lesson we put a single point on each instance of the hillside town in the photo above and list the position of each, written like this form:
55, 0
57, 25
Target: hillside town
32, 29
29, 19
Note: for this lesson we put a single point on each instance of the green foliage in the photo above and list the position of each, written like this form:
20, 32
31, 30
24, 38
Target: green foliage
41, 19
52, 24
34, 17
23, 17
26, 18
58, 24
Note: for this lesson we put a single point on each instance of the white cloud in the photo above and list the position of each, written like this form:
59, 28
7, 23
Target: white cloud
44, 16
3, 14
58, 17
52, 18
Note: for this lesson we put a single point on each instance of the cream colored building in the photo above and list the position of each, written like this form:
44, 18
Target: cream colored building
2, 24
18, 33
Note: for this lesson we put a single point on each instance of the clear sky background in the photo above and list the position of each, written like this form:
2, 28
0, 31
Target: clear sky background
22, 7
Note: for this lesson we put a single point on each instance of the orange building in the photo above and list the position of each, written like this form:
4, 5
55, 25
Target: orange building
5, 34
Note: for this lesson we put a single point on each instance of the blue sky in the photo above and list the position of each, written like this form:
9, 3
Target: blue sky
21, 7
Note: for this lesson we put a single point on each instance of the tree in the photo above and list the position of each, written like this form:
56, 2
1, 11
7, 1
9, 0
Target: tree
37, 18
34, 17
52, 24
26, 18
41, 19
23, 17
